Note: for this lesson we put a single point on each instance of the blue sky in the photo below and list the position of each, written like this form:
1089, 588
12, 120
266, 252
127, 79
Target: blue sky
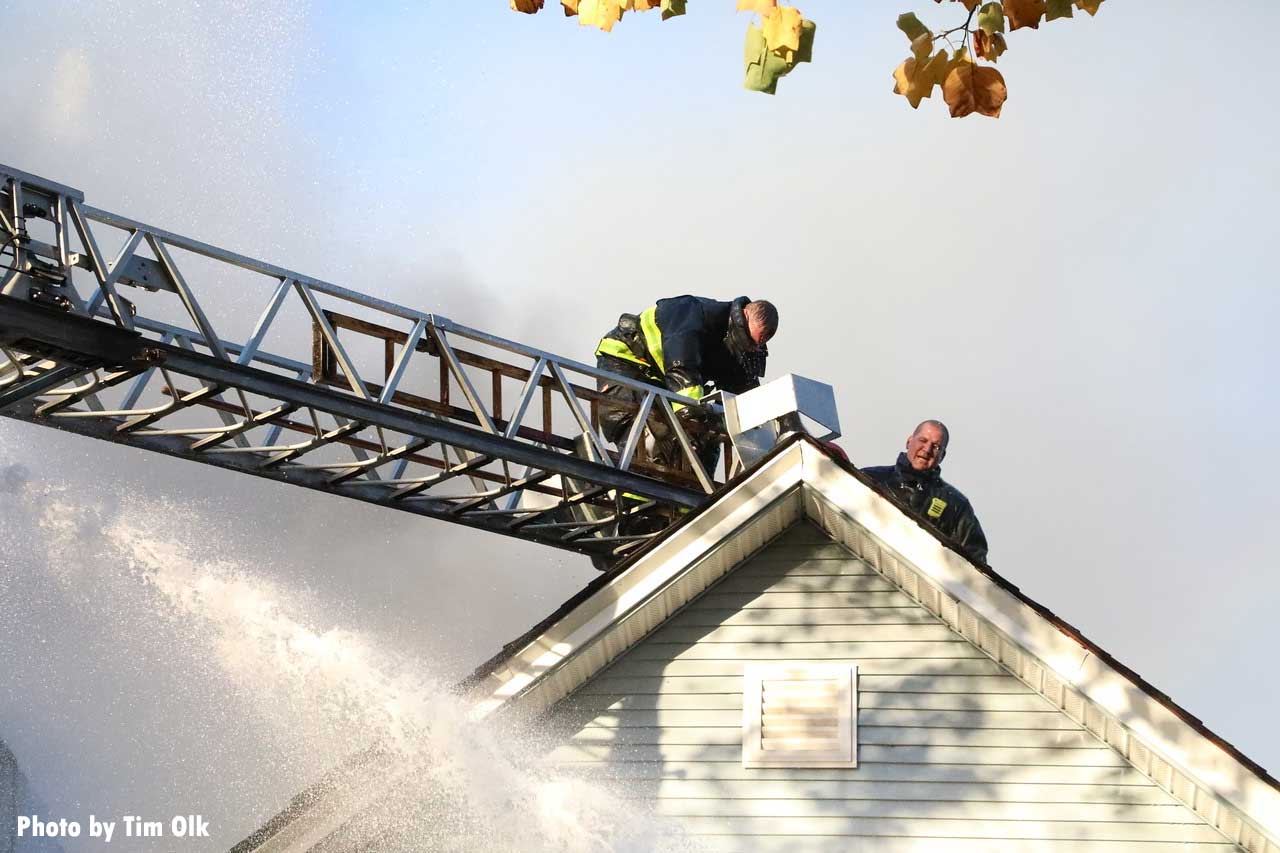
1083, 289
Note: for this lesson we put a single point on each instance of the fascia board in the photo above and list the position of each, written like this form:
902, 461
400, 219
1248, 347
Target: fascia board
1071, 661
1203, 760
591, 619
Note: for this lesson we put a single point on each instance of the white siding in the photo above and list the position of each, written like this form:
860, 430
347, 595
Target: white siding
954, 754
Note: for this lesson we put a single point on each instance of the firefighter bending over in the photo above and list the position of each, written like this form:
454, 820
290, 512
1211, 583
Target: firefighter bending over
686, 344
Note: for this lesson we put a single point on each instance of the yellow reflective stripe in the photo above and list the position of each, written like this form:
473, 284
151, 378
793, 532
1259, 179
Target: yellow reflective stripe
617, 349
653, 336
695, 391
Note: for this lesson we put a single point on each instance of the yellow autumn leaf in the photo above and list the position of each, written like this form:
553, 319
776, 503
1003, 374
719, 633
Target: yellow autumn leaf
971, 88
922, 46
915, 80
599, 13
782, 27
786, 38
1024, 13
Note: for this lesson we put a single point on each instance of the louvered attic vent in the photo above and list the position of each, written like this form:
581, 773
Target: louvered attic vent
800, 714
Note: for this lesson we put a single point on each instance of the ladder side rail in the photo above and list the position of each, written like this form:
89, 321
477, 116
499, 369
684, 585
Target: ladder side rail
44, 184
245, 262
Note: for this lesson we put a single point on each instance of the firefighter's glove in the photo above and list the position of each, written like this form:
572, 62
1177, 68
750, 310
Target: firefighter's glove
693, 413
699, 420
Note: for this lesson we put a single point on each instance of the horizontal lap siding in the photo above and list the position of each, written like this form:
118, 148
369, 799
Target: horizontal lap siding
868, 718
954, 753
750, 584
655, 649
789, 568
627, 681
1171, 815
791, 600
855, 792
966, 781
717, 637
726, 693
899, 844
1080, 832
907, 614
892, 736
590, 752
872, 667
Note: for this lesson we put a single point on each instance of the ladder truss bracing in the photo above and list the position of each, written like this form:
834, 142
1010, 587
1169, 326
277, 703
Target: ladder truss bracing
115, 329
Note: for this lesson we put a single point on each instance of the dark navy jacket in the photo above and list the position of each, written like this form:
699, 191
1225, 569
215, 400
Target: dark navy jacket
693, 342
937, 503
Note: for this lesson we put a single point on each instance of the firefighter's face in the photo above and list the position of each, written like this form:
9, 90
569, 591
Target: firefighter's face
925, 448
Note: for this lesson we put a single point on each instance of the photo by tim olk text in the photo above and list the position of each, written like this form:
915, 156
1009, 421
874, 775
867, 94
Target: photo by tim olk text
127, 826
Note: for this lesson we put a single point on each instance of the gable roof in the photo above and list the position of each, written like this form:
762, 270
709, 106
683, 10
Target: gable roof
801, 480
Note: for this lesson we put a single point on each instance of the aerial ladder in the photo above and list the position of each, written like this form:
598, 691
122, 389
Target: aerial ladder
109, 328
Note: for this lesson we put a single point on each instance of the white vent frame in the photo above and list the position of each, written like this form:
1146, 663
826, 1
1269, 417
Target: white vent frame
843, 753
